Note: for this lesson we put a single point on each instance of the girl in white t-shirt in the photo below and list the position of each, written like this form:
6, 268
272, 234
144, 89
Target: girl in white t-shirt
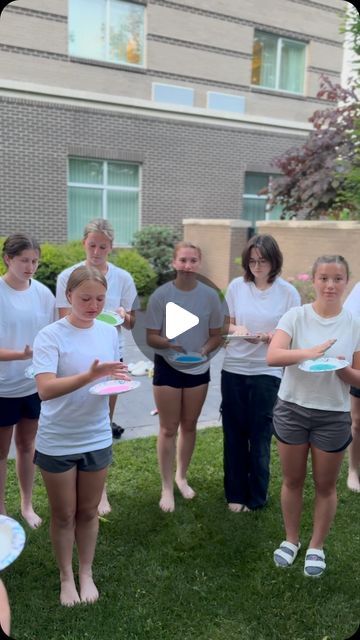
312, 413
249, 386
180, 390
121, 296
25, 307
73, 444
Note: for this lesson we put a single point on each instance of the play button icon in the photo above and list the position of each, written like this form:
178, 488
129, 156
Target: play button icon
178, 320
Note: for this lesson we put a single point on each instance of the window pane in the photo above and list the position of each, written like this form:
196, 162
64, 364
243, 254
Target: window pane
87, 28
85, 171
84, 205
292, 66
173, 95
264, 60
255, 181
123, 175
254, 209
126, 33
123, 214
225, 102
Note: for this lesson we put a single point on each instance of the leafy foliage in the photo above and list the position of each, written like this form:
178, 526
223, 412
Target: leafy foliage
156, 244
140, 269
314, 174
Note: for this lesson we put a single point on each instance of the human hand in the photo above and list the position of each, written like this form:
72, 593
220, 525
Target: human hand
319, 350
240, 330
114, 369
27, 353
176, 347
121, 312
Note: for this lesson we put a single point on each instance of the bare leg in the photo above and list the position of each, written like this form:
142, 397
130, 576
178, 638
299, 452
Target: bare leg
4, 610
326, 469
5, 441
25, 432
353, 481
168, 402
89, 488
104, 505
61, 490
192, 402
293, 461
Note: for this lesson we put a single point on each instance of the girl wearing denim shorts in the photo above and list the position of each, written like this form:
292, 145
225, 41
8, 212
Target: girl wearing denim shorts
73, 444
312, 413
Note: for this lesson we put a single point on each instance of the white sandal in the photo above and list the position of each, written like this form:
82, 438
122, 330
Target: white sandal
285, 555
315, 564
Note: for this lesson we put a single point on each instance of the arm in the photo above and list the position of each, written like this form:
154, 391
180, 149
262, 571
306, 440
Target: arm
281, 355
157, 341
351, 374
7, 355
129, 317
213, 342
50, 387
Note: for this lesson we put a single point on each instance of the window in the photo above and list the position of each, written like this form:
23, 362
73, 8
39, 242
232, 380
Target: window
254, 205
107, 30
278, 63
225, 102
103, 189
173, 94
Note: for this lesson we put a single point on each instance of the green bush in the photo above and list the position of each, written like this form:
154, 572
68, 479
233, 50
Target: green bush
156, 244
143, 274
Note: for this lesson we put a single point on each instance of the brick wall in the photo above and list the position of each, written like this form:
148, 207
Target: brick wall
189, 170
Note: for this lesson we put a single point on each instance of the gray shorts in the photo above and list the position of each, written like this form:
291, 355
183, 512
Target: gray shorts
89, 461
326, 430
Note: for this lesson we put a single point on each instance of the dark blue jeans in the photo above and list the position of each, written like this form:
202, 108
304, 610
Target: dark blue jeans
247, 407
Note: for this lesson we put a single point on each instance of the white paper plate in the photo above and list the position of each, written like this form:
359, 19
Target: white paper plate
110, 317
233, 336
29, 372
192, 357
12, 540
113, 387
321, 365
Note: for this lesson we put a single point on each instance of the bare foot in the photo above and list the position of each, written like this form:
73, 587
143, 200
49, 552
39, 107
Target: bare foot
104, 506
235, 507
34, 521
186, 491
88, 589
353, 481
68, 593
167, 502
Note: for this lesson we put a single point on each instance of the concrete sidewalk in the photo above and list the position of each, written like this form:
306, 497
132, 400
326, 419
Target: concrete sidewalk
133, 409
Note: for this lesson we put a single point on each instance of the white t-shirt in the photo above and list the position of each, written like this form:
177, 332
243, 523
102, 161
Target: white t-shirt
259, 311
202, 301
121, 292
22, 315
307, 329
352, 302
78, 421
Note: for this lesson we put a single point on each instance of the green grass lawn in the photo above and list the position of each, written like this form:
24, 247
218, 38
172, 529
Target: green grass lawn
201, 573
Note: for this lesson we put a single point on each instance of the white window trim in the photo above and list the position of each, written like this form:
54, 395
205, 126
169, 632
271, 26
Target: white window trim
280, 40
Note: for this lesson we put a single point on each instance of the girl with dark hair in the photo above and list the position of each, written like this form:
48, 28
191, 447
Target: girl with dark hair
26, 307
249, 386
312, 413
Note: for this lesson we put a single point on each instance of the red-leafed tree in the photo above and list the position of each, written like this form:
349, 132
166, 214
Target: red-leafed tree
314, 175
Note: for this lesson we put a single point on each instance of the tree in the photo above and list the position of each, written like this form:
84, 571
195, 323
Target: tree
314, 174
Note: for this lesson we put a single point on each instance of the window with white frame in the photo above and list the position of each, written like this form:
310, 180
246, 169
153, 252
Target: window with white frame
254, 203
107, 30
103, 189
278, 63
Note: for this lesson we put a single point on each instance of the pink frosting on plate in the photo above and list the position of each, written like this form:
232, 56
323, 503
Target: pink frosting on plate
114, 388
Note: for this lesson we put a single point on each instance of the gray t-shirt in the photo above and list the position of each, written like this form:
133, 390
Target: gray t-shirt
203, 302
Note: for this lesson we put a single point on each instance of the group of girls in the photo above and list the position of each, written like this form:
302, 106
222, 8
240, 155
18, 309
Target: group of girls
73, 442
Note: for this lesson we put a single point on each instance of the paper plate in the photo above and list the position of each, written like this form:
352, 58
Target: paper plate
29, 372
189, 358
321, 365
110, 317
112, 387
233, 336
12, 540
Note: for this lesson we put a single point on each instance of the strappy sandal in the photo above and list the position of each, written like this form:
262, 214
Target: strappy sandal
285, 555
315, 564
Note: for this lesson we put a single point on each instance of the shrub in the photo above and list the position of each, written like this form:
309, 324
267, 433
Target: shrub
54, 258
156, 244
304, 284
142, 272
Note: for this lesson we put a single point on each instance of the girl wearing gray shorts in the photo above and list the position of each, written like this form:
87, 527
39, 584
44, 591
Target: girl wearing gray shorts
73, 443
312, 412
